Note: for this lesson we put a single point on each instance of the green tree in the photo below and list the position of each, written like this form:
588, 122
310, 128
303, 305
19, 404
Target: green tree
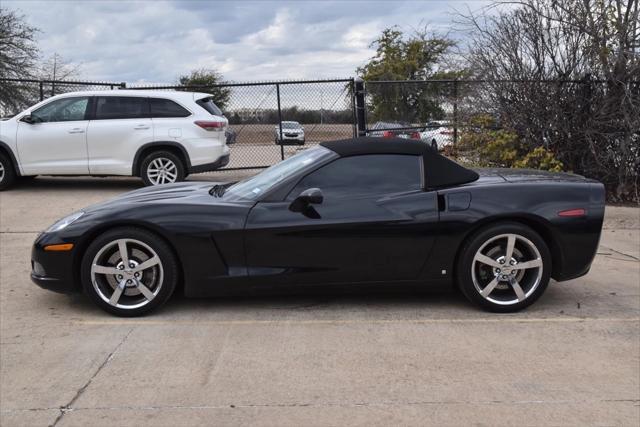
419, 56
207, 80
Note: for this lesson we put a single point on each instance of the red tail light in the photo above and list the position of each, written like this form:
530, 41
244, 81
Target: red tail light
210, 125
387, 134
573, 212
415, 135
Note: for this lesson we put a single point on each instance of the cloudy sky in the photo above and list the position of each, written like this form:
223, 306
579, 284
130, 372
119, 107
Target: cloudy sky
156, 41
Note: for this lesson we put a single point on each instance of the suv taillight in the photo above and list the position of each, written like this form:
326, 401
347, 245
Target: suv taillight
209, 125
387, 134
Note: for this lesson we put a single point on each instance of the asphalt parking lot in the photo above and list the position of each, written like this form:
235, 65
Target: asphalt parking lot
571, 359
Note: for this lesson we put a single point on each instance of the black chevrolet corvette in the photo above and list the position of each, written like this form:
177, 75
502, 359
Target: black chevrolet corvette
358, 211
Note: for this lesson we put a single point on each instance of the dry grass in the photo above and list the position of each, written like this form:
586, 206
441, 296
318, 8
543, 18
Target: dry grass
265, 134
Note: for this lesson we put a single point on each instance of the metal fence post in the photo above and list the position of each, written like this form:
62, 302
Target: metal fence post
41, 90
123, 85
455, 113
280, 139
360, 107
354, 120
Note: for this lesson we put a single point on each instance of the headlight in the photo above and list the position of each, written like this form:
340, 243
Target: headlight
64, 222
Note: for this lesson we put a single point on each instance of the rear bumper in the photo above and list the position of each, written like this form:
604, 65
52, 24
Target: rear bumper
208, 167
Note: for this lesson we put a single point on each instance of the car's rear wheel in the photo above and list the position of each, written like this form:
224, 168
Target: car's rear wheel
504, 268
129, 271
162, 167
7, 173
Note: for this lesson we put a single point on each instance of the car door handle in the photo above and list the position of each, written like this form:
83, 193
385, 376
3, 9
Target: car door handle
76, 130
140, 127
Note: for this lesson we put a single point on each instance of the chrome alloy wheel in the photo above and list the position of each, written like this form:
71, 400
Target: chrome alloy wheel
1, 172
162, 171
507, 269
127, 273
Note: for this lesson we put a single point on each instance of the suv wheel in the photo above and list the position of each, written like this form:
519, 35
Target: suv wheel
504, 267
162, 167
7, 173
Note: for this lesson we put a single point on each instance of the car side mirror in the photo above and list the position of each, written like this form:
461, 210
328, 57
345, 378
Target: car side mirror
311, 196
28, 119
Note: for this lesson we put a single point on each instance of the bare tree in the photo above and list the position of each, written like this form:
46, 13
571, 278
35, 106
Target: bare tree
18, 54
580, 64
57, 68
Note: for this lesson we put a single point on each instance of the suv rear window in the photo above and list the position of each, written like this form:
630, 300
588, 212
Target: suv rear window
210, 106
166, 108
121, 107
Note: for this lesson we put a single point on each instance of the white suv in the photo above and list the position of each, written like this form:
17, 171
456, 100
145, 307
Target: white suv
159, 136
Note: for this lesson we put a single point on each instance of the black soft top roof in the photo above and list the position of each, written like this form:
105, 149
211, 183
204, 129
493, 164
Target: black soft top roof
439, 171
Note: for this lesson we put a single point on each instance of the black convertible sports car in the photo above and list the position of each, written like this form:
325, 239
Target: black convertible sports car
358, 211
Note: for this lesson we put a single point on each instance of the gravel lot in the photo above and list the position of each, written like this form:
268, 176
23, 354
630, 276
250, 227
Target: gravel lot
571, 359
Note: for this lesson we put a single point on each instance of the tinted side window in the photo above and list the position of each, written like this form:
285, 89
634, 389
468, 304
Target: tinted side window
121, 107
166, 108
62, 110
210, 106
372, 174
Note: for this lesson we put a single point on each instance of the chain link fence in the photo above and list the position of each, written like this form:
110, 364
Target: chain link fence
310, 112
592, 126
18, 94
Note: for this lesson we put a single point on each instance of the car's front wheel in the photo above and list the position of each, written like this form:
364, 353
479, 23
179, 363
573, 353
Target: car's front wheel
504, 267
162, 167
129, 271
7, 174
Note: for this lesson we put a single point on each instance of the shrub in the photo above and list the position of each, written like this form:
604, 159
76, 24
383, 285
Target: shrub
485, 146
540, 158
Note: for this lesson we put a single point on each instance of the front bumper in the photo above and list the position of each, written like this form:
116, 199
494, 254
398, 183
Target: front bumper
52, 270
290, 140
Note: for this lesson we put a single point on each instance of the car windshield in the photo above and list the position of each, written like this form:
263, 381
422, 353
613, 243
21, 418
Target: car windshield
254, 187
290, 125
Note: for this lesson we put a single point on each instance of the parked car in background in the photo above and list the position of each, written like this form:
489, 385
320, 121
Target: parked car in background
438, 133
292, 133
159, 136
231, 136
393, 130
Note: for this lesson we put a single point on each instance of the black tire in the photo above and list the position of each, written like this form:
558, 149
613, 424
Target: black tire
7, 173
165, 273
476, 277
163, 156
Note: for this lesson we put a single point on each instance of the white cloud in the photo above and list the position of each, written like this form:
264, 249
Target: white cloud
156, 41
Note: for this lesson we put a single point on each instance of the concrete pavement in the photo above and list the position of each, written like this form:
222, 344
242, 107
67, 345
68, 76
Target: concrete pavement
571, 359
